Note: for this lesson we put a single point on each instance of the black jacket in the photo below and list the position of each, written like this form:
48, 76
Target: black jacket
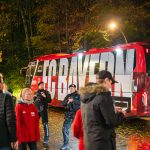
7, 121
41, 102
72, 107
99, 118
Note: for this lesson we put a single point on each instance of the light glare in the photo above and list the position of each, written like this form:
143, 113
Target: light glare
112, 25
80, 55
118, 50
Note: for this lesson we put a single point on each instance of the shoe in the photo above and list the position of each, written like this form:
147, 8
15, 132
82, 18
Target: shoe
65, 147
45, 145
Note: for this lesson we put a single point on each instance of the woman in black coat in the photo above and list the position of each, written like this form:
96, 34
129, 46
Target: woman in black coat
98, 114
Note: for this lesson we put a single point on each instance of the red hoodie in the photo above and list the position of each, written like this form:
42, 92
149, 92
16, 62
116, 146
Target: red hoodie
78, 129
27, 122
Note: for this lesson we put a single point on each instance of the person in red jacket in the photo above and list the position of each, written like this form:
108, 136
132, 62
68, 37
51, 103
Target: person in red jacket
78, 129
27, 121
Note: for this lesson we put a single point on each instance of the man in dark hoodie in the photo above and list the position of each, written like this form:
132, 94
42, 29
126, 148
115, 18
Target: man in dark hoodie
71, 104
7, 122
98, 114
41, 99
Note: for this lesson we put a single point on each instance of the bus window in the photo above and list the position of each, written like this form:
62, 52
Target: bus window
39, 71
147, 58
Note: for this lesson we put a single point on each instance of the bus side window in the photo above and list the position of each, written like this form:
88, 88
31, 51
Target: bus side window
39, 71
147, 59
40, 68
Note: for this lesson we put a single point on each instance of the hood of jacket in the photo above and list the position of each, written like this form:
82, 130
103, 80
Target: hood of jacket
21, 101
87, 93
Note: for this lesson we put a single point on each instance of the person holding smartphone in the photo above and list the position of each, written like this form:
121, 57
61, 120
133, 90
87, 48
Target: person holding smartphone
41, 100
99, 115
71, 104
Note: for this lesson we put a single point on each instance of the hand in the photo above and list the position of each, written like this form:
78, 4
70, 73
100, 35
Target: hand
41, 108
118, 109
125, 113
14, 145
70, 100
43, 94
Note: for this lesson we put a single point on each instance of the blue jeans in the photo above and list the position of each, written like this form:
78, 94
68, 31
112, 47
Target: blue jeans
65, 130
5, 148
32, 146
44, 116
46, 133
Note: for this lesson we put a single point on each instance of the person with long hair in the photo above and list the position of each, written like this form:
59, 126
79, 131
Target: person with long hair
27, 121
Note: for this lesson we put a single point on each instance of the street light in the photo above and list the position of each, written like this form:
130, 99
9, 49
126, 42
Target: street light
113, 26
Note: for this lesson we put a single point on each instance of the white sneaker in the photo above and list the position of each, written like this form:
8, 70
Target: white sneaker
65, 147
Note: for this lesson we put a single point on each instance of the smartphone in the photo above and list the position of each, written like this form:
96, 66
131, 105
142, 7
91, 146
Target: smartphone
124, 109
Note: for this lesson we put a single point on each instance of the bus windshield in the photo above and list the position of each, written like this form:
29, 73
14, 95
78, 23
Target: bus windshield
30, 72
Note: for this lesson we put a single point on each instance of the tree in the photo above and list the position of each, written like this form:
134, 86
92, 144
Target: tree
29, 28
26, 18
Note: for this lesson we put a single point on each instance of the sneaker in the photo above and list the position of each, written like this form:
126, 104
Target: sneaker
65, 147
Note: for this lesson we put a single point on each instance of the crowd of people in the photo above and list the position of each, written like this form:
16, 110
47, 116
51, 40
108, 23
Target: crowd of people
90, 110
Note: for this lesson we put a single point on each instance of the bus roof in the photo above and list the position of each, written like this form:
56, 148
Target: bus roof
51, 56
93, 50
122, 46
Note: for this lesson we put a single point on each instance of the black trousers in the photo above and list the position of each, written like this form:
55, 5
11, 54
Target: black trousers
32, 146
44, 116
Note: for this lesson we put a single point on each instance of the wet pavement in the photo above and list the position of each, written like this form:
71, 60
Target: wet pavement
132, 135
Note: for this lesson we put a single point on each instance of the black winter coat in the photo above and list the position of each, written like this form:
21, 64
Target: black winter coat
7, 121
41, 102
72, 107
99, 118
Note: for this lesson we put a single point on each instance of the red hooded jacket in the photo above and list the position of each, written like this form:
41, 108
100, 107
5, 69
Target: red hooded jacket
27, 122
78, 129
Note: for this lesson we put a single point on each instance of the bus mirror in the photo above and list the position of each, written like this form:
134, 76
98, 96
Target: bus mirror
23, 71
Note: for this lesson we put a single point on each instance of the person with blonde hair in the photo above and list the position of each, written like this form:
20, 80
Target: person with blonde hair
1, 78
27, 121
1, 87
5, 88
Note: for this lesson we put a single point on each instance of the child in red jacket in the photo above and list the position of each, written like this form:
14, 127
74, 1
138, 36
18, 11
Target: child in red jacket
27, 121
78, 129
